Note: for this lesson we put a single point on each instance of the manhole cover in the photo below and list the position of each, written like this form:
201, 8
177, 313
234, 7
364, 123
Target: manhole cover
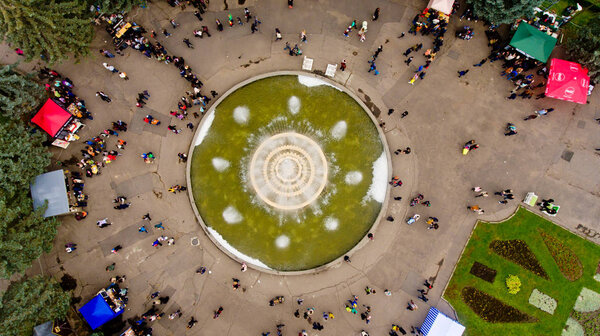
567, 155
581, 124
453, 54
195, 241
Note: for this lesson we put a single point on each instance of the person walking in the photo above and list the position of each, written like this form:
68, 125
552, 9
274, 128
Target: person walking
408, 60
343, 65
462, 73
123, 75
198, 16
110, 68
103, 96
278, 34
482, 62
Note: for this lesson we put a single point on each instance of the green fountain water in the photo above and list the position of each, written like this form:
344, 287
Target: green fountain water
288, 175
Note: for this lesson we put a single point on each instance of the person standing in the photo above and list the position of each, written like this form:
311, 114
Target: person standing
343, 65
376, 14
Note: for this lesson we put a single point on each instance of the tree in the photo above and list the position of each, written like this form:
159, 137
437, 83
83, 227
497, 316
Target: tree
115, 6
52, 28
30, 302
503, 11
24, 234
583, 44
19, 95
22, 158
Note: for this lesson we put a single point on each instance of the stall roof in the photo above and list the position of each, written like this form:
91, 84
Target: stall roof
97, 312
567, 81
533, 42
44, 329
444, 6
51, 187
438, 324
51, 117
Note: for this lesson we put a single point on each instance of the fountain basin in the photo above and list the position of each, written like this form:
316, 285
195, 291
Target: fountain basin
288, 172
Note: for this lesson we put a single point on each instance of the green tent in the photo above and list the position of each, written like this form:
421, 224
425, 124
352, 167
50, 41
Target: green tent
532, 42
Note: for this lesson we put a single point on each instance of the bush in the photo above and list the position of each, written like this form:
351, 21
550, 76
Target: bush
513, 283
483, 272
518, 252
491, 309
542, 301
567, 261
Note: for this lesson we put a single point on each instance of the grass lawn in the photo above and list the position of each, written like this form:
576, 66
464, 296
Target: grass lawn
524, 225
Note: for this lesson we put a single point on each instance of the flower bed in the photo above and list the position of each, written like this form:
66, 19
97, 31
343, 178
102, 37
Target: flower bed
588, 322
518, 252
567, 261
587, 301
542, 301
483, 272
491, 309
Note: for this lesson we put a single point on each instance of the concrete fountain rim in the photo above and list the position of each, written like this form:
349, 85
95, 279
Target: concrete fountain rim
319, 269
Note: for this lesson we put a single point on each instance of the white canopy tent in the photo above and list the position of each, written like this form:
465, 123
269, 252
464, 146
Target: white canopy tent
444, 6
438, 324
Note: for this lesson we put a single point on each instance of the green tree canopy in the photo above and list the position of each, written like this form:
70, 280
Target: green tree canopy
583, 44
19, 95
22, 157
115, 6
24, 234
30, 302
503, 11
53, 28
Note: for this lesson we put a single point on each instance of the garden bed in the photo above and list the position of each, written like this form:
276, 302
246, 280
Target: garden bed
491, 309
542, 301
567, 261
518, 252
483, 272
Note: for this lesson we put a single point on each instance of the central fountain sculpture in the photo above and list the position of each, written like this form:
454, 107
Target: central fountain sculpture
288, 173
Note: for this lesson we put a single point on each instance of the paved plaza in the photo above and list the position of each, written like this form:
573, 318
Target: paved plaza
553, 156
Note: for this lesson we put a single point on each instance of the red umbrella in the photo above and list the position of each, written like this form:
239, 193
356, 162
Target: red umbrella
567, 81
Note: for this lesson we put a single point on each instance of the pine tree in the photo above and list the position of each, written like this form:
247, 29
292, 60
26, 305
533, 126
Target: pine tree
503, 11
30, 302
24, 234
115, 6
49, 28
22, 158
19, 95
583, 44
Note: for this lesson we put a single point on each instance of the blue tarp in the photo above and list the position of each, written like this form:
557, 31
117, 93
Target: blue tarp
97, 312
51, 187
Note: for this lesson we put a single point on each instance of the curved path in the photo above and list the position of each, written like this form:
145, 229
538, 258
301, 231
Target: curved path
444, 112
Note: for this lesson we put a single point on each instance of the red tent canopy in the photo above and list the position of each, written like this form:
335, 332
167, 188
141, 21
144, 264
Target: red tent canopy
51, 117
567, 81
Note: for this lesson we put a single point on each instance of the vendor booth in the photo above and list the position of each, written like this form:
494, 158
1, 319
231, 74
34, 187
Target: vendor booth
533, 43
444, 6
438, 324
51, 187
567, 81
53, 328
60, 123
104, 307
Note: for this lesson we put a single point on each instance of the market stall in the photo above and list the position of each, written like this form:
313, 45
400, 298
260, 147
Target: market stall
51, 187
444, 6
60, 123
532, 42
567, 81
438, 324
105, 306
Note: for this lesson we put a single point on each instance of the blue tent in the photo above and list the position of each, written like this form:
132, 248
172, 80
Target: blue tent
438, 324
97, 312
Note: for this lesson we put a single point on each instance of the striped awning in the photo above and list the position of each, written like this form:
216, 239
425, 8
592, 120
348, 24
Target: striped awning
438, 324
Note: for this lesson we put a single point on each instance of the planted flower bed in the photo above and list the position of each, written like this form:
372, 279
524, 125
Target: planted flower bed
542, 301
518, 252
483, 272
567, 261
491, 309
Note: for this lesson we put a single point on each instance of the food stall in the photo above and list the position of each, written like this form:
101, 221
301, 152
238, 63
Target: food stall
105, 306
60, 123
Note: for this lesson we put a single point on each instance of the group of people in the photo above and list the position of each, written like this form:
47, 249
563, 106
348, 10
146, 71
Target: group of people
432, 22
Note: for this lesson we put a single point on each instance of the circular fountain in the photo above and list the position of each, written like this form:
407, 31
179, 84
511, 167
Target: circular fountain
287, 172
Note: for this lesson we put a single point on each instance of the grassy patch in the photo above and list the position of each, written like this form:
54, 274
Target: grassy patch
524, 226
567, 261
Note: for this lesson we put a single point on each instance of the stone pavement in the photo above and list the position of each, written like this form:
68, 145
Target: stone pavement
553, 156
